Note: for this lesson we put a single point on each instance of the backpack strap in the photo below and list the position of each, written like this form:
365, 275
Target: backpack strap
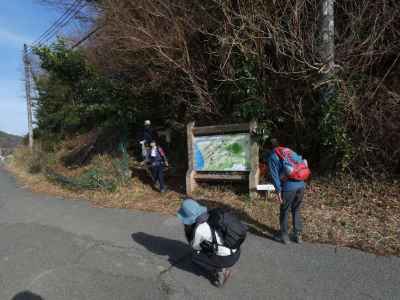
284, 154
215, 242
214, 239
161, 151
162, 155
279, 152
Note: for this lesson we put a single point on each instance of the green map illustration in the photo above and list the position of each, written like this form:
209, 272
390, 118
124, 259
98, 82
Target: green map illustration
222, 152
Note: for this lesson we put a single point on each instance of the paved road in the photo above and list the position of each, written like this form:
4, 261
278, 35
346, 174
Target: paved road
54, 249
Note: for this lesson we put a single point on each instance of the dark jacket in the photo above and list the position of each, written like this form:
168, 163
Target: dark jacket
149, 135
159, 159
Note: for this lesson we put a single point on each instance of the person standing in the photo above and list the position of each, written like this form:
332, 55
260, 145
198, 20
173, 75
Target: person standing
148, 135
288, 171
156, 158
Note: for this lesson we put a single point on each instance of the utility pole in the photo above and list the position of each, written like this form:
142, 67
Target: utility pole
327, 49
28, 70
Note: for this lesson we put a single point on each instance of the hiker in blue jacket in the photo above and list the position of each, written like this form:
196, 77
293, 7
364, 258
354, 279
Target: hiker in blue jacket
290, 195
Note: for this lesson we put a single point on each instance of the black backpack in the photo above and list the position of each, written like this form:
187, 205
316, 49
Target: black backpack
229, 228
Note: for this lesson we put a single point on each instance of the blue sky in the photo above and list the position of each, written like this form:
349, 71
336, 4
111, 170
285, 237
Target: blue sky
21, 21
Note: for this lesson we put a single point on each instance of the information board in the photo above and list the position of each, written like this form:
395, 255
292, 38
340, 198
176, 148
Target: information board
229, 152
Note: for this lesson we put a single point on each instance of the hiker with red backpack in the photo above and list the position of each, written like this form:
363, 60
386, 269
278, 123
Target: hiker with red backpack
215, 237
157, 160
288, 171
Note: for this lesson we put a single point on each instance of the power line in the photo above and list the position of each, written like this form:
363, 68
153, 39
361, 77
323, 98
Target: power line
63, 21
64, 24
58, 22
87, 36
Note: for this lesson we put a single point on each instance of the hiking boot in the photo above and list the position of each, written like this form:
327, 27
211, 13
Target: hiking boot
217, 279
221, 277
284, 239
297, 239
219, 282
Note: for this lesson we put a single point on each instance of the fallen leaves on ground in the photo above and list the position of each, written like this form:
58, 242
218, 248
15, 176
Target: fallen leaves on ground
341, 211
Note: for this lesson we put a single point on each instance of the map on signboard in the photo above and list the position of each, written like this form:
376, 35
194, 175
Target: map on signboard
222, 152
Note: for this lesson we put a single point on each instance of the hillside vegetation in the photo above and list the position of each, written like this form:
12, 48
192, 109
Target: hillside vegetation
232, 61
220, 62
8, 142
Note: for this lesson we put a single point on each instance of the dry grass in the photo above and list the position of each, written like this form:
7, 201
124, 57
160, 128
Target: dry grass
339, 211
136, 195
342, 211
359, 214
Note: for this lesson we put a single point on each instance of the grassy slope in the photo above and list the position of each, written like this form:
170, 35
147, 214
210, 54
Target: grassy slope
342, 211
9, 141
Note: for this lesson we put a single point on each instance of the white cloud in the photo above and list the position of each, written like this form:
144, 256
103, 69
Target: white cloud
14, 38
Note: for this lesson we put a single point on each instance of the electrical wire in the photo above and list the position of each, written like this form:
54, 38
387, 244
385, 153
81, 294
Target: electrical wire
61, 22
57, 23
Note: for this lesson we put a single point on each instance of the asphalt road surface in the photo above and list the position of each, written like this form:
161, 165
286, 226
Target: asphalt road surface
55, 249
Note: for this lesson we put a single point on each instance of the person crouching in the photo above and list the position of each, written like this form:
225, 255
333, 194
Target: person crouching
212, 257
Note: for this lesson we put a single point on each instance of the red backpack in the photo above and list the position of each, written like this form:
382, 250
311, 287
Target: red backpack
295, 167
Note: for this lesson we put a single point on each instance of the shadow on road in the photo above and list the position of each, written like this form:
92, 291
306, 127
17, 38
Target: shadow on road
179, 254
26, 295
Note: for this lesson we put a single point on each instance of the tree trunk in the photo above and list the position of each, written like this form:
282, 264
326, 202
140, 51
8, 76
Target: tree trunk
327, 50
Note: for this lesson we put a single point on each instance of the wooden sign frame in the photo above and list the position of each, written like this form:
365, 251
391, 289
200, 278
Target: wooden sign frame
252, 176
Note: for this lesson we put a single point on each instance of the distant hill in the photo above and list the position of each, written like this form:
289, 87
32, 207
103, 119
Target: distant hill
9, 141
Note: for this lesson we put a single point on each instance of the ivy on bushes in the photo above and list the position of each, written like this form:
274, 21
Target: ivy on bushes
337, 147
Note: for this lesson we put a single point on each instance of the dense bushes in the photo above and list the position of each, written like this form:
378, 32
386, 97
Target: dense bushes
231, 61
73, 97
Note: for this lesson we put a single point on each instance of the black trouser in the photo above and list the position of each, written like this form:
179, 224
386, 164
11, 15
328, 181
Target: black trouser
212, 263
291, 201
158, 175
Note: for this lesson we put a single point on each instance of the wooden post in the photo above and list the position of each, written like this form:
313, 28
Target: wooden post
27, 65
191, 172
254, 176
